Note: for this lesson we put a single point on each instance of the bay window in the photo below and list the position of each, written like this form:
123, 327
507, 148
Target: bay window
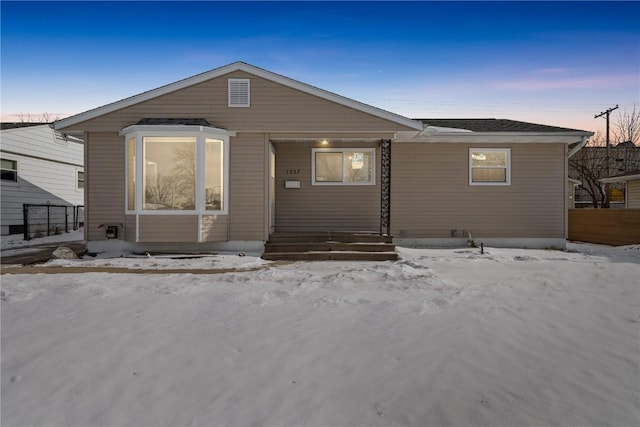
176, 169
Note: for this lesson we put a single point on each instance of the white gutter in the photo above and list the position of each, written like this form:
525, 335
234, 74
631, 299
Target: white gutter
495, 137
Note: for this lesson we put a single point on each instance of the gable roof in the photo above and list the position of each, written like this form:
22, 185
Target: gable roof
237, 66
496, 125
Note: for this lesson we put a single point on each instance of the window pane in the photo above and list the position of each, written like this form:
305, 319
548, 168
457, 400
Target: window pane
489, 158
169, 173
8, 170
8, 164
80, 180
213, 175
489, 175
358, 166
329, 167
131, 174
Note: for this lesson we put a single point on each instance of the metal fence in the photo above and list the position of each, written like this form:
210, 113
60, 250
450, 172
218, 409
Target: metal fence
48, 220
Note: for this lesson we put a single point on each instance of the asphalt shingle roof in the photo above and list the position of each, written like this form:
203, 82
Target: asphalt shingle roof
184, 122
494, 125
16, 125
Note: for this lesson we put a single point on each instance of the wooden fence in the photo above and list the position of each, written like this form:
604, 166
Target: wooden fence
605, 226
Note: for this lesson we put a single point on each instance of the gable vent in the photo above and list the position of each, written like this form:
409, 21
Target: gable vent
239, 92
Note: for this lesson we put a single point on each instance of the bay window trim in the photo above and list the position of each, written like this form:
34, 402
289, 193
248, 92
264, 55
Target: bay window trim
201, 134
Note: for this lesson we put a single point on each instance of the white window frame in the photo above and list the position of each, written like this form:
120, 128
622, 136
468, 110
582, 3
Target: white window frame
84, 180
15, 181
232, 81
341, 150
201, 133
507, 168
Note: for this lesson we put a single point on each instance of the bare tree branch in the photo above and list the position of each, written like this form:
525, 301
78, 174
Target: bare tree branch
627, 126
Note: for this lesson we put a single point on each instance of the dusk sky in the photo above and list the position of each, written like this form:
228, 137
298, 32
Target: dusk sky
556, 63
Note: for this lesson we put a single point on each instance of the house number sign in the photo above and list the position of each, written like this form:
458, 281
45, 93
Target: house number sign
293, 171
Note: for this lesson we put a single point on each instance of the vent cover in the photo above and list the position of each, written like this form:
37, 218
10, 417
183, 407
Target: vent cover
239, 92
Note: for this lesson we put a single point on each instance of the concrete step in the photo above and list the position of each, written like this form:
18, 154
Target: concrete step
330, 256
332, 236
329, 246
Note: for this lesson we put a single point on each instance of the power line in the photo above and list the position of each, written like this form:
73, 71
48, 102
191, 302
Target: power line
607, 113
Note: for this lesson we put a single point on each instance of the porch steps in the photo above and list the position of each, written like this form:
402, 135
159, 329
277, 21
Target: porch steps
330, 246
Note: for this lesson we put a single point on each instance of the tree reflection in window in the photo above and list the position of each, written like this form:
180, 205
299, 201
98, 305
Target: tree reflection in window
169, 173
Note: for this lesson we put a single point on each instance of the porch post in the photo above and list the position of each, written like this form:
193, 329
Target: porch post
385, 186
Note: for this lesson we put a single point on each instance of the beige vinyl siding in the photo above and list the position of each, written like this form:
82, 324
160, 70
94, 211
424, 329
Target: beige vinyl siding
431, 194
215, 228
130, 229
247, 187
104, 183
633, 194
322, 208
168, 228
274, 107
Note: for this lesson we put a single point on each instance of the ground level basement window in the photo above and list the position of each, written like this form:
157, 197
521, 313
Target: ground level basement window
343, 166
177, 169
489, 166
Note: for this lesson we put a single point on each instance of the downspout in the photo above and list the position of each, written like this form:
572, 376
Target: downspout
572, 152
578, 147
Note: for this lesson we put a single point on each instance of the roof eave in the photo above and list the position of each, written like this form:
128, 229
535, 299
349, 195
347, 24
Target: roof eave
499, 137
620, 178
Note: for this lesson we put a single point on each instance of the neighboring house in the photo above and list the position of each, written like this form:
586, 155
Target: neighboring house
631, 181
225, 158
593, 163
572, 184
39, 166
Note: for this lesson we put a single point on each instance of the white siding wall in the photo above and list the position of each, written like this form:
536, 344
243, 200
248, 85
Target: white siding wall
47, 171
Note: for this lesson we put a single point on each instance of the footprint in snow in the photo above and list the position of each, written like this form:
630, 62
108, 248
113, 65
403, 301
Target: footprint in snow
524, 258
381, 409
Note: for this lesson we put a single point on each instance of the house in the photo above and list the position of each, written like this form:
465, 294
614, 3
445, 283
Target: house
224, 159
572, 184
631, 181
39, 166
593, 163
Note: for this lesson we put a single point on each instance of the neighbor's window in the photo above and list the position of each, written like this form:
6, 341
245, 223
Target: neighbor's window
9, 170
80, 180
489, 166
348, 166
169, 173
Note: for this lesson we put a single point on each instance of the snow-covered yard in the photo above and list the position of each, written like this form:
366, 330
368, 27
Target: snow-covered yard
441, 337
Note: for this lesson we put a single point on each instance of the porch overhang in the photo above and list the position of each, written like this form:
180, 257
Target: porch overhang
331, 137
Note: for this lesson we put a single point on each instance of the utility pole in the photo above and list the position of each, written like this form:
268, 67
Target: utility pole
607, 113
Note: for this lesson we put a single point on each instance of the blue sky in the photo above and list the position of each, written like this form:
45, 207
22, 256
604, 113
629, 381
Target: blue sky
557, 63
